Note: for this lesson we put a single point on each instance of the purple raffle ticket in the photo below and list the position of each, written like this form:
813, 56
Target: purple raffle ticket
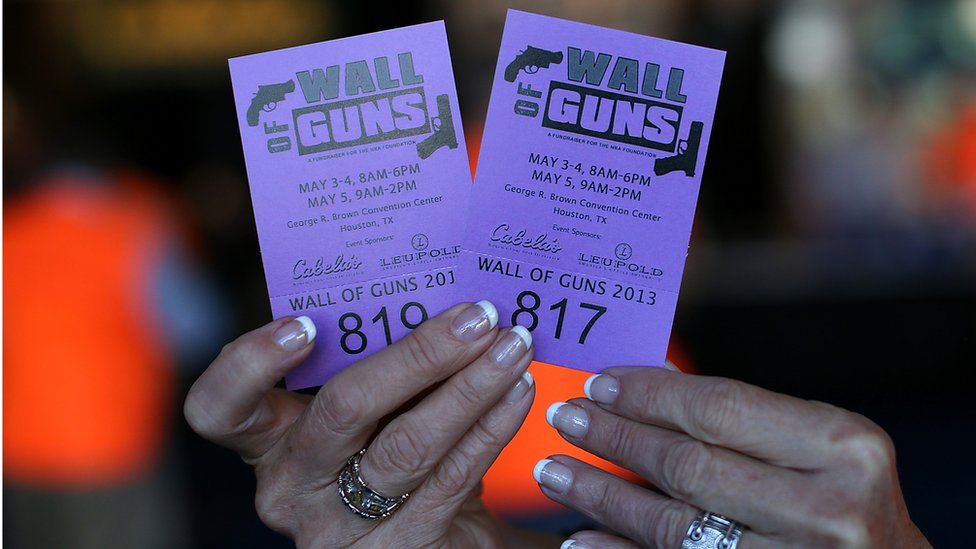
359, 177
583, 202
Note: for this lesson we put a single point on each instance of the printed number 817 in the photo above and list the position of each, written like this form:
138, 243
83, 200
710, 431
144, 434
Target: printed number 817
529, 302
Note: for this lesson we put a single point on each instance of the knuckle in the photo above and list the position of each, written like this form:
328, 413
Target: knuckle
686, 468
229, 351
452, 478
600, 498
666, 525
844, 532
868, 449
237, 352
487, 436
199, 416
467, 394
403, 451
272, 508
606, 498
619, 440
339, 411
425, 351
715, 409
646, 397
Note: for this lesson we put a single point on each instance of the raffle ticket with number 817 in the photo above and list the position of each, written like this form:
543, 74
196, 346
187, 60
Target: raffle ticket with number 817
587, 180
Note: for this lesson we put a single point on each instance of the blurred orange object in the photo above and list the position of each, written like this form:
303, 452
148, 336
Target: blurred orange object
509, 487
87, 381
949, 160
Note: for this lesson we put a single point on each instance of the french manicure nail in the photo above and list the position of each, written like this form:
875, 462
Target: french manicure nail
602, 388
553, 475
511, 347
520, 388
573, 544
475, 321
295, 334
568, 419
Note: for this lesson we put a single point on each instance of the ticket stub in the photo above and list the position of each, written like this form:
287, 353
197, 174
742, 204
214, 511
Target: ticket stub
358, 174
583, 202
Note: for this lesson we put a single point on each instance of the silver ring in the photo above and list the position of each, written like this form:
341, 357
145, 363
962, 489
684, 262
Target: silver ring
711, 531
359, 497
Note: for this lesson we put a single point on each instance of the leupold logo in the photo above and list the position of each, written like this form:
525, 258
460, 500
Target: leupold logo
423, 252
623, 253
304, 270
519, 238
420, 242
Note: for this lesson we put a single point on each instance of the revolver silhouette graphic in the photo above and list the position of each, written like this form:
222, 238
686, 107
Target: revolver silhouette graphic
267, 98
687, 158
444, 134
530, 60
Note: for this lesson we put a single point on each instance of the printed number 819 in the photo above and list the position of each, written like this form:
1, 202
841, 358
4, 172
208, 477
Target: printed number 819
353, 340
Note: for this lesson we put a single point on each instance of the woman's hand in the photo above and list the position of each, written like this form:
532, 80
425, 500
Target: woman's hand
437, 449
798, 473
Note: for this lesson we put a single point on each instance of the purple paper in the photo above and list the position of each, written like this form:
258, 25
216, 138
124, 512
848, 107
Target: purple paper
585, 193
358, 174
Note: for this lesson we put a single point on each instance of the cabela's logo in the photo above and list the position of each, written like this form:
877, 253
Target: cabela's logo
304, 269
520, 238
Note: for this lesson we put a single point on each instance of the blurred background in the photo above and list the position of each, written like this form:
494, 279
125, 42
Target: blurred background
833, 256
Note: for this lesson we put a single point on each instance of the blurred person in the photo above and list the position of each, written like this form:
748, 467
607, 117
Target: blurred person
849, 171
98, 294
391, 451
879, 107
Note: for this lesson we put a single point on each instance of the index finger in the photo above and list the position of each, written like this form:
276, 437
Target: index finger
772, 427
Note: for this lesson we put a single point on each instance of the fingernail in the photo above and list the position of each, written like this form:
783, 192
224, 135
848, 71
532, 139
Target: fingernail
573, 544
568, 419
602, 388
475, 321
668, 365
518, 390
295, 334
511, 347
553, 475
